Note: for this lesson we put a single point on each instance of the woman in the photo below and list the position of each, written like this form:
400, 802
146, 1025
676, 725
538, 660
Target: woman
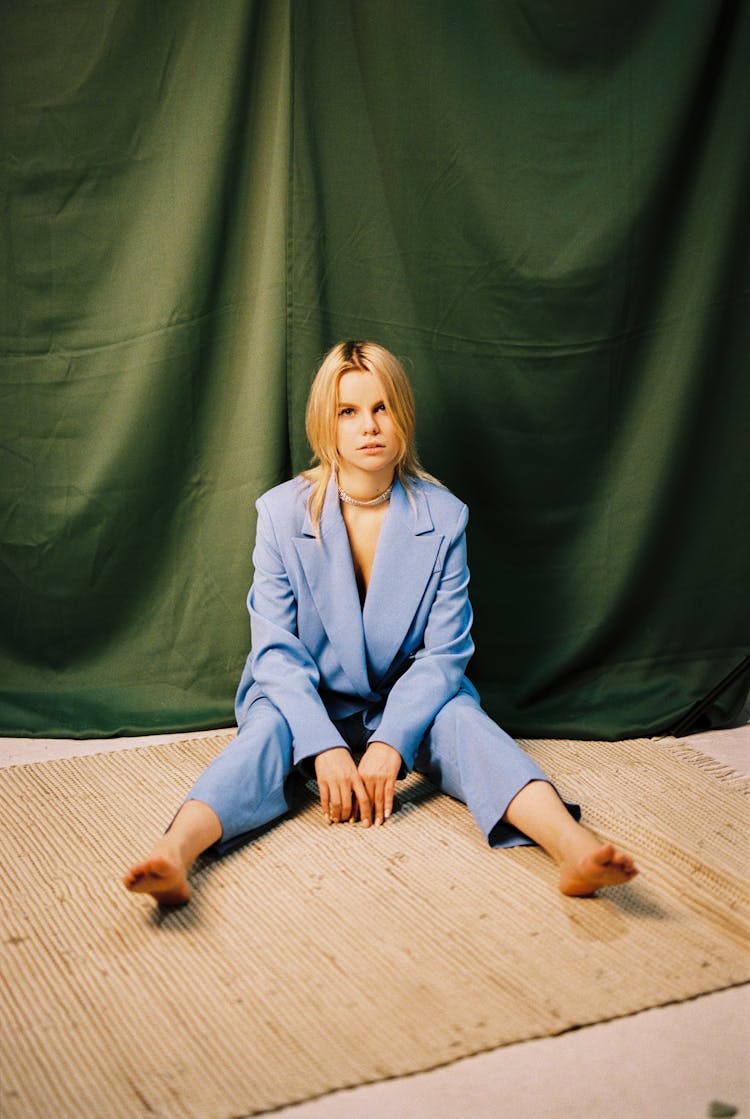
361, 632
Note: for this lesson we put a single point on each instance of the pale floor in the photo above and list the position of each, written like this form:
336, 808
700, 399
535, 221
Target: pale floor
668, 1063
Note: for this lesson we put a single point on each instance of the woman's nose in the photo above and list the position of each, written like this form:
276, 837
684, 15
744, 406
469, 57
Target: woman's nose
371, 425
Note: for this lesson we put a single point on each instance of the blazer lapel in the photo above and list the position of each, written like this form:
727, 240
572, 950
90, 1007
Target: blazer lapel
329, 571
404, 561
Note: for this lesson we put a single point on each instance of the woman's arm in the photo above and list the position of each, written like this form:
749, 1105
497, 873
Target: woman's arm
279, 662
287, 674
437, 670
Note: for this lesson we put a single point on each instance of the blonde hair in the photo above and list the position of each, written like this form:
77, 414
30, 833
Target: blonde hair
322, 413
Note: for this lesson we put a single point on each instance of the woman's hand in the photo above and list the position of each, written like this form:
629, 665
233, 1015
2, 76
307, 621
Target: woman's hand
379, 769
340, 784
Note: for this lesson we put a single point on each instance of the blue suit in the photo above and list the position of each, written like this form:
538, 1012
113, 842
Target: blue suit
323, 671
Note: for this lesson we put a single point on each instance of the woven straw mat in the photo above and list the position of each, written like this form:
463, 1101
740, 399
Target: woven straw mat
316, 958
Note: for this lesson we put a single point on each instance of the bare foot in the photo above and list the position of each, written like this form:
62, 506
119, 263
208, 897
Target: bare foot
586, 872
163, 875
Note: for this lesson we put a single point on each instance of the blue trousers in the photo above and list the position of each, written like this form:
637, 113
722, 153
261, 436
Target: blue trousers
465, 754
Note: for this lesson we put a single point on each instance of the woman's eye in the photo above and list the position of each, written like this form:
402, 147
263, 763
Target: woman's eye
346, 411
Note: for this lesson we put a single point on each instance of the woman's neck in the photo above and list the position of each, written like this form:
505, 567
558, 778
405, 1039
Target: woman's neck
367, 487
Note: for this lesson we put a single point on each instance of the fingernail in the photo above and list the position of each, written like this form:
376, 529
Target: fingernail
388, 813
378, 822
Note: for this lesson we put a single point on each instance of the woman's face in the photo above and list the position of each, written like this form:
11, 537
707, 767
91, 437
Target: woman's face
366, 439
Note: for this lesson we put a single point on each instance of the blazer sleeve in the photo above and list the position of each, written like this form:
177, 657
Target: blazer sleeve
280, 664
437, 670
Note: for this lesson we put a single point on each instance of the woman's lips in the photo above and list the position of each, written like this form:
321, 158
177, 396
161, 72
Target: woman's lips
371, 448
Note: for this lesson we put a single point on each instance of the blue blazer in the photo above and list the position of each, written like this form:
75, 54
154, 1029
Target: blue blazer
318, 655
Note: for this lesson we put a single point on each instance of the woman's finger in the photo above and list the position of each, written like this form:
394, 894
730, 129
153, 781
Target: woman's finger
334, 810
363, 800
324, 799
390, 789
346, 801
379, 798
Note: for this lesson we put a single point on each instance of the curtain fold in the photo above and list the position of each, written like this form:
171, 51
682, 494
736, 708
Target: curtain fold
143, 365
544, 208
541, 207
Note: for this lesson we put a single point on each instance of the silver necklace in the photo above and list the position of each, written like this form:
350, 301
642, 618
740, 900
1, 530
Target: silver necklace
366, 504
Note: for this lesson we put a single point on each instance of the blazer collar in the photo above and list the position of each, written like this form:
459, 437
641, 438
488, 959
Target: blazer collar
331, 521
412, 511
404, 561
329, 571
367, 640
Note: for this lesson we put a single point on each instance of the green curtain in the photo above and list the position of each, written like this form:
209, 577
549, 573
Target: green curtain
541, 206
145, 164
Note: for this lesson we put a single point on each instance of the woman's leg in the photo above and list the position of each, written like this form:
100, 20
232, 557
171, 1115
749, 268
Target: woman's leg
472, 759
586, 864
164, 874
244, 788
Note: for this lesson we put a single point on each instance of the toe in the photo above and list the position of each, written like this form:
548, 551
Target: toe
605, 855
